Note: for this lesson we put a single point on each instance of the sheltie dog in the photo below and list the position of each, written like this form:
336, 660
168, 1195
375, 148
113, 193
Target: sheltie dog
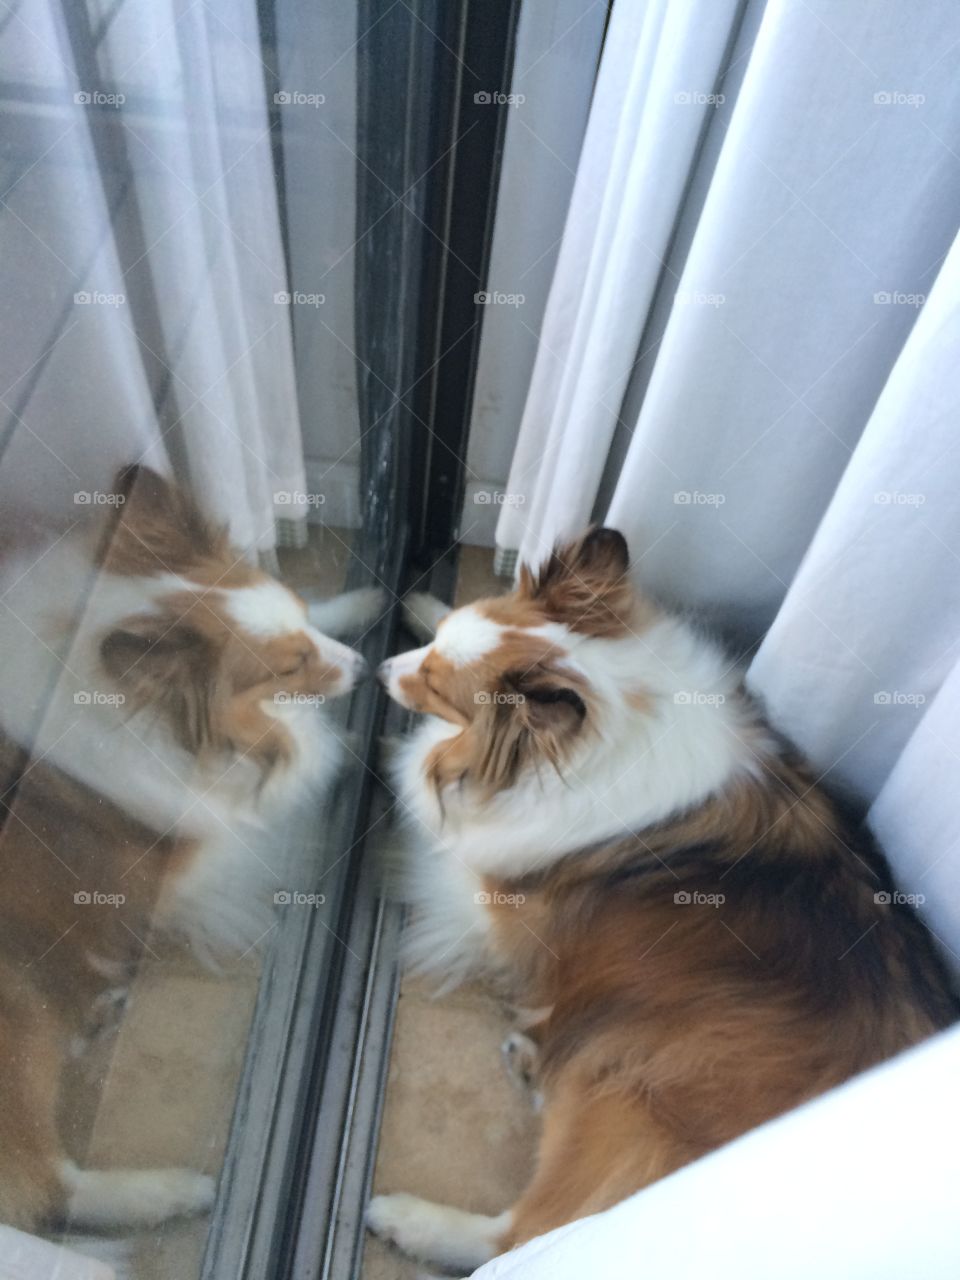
149, 751
705, 939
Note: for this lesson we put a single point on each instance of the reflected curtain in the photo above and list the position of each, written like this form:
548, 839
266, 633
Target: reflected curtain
147, 295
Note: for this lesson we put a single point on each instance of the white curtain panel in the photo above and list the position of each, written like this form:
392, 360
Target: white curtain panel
803, 400
828, 216
792, 475
660, 64
869, 630
204, 182
82, 371
860, 1185
73, 396
830, 211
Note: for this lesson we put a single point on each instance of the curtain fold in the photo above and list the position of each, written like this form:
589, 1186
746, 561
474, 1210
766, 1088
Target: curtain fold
144, 263
870, 626
792, 476
204, 185
828, 216
660, 65
791, 469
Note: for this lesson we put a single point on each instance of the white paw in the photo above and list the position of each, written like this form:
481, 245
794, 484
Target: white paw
400, 1219
422, 613
436, 1233
363, 606
350, 612
101, 1198
174, 1193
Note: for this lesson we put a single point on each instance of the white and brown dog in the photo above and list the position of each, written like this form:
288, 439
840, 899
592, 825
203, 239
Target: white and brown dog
148, 752
612, 828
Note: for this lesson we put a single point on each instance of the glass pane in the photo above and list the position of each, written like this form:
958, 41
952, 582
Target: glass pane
184, 479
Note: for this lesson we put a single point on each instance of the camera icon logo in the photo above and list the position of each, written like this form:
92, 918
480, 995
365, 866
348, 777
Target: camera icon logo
282, 898
82, 698
282, 99
82, 99
482, 98
282, 298
682, 897
82, 898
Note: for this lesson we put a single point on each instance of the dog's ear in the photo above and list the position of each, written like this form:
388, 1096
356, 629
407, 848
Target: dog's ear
162, 662
159, 527
585, 584
534, 718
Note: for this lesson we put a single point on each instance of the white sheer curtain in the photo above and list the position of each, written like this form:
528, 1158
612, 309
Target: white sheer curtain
660, 63
801, 405
144, 255
792, 474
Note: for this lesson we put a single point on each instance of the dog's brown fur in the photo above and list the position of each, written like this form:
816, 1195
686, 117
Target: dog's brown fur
675, 1026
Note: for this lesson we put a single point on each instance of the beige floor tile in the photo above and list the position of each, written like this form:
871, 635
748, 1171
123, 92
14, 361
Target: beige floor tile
454, 1128
167, 1098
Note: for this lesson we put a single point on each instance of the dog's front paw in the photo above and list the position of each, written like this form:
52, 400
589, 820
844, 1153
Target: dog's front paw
397, 1219
365, 605
422, 613
169, 1193
436, 1233
348, 613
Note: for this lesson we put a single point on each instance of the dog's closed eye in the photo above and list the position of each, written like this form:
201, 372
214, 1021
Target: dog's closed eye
295, 665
